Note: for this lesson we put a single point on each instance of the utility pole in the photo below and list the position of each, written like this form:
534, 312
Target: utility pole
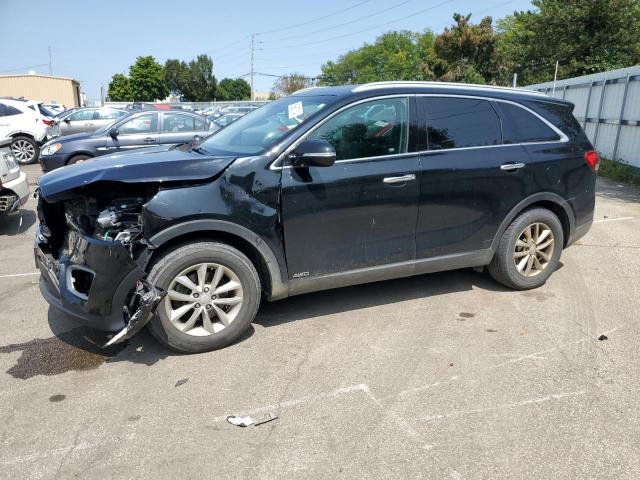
253, 54
50, 67
555, 78
515, 80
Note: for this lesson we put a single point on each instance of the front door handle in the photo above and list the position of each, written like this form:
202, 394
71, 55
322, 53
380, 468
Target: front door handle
509, 167
88, 124
400, 179
148, 140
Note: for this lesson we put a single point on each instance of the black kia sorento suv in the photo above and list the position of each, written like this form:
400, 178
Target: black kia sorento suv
325, 188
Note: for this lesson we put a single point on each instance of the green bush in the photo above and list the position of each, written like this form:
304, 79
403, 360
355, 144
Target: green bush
619, 171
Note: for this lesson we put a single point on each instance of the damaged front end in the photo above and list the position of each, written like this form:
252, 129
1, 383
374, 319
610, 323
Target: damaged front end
90, 250
91, 245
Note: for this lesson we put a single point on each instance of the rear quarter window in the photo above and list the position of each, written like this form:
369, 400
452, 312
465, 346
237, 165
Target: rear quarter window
521, 126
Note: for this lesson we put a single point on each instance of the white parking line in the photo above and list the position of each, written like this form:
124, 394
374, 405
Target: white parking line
612, 219
20, 274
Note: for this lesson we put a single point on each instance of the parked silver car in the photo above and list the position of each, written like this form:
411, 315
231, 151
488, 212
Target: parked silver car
85, 120
14, 189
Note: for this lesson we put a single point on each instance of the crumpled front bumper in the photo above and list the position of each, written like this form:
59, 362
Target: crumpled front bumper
91, 281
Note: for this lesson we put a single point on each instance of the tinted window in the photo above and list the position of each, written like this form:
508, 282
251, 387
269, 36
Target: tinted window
81, 115
520, 126
147, 123
368, 129
177, 123
9, 110
107, 114
461, 122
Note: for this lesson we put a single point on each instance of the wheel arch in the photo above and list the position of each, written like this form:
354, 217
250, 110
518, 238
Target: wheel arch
239, 237
551, 201
22, 134
81, 153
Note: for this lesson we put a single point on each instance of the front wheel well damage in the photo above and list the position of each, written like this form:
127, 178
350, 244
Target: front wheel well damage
235, 241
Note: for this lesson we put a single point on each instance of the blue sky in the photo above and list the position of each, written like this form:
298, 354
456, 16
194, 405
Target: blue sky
91, 40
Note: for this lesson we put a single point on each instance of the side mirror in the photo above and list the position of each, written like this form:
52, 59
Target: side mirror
113, 133
67, 120
313, 153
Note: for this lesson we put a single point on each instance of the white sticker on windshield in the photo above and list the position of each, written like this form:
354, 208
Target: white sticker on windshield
295, 110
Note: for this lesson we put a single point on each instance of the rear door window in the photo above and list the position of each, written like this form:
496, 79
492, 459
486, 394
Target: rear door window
178, 123
521, 126
461, 123
11, 110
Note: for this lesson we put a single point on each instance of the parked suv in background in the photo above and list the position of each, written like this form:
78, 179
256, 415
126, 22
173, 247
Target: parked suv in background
376, 181
14, 189
136, 129
24, 126
84, 120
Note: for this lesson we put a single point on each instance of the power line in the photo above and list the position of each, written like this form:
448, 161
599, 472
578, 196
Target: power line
24, 68
397, 5
363, 30
289, 27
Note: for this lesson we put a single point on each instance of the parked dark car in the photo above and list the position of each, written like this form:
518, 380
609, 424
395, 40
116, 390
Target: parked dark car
371, 182
135, 130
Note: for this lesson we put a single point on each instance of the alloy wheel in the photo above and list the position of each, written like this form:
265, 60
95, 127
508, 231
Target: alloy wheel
203, 299
533, 249
23, 151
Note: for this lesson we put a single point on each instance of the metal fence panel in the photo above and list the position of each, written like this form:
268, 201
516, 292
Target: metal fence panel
607, 105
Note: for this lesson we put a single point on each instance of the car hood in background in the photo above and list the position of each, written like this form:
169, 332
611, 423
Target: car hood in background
154, 164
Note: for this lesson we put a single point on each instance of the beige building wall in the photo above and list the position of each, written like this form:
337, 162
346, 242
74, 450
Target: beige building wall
65, 91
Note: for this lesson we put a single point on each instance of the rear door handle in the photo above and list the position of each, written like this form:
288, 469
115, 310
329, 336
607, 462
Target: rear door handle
400, 179
148, 140
508, 167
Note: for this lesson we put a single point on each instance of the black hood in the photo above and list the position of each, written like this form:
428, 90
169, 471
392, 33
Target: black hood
146, 165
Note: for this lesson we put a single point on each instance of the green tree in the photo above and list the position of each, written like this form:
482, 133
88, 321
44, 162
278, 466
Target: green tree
199, 84
233, 89
287, 84
176, 73
119, 89
467, 51
147, 80
400, 55
583, 36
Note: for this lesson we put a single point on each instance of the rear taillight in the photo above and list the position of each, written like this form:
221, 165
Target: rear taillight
47, 122
593, 159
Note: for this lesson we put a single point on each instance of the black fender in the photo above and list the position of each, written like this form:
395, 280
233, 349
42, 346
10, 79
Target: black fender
279, 289
536, 198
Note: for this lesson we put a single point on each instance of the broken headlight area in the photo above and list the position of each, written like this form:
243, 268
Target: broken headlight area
90, 248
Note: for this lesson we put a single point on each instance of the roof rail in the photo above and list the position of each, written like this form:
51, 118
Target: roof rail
431, 84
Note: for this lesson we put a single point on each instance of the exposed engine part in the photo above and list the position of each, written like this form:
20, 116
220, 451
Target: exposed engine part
108, 218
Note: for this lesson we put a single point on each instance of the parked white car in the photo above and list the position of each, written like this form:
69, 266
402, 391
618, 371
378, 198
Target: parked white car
14, 189
26, 128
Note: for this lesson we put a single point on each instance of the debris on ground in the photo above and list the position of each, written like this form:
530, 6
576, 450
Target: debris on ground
181, 382
602, 338
247, 421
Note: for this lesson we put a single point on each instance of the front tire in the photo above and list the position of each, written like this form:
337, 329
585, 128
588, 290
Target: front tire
529, 250
25, 150
213, 294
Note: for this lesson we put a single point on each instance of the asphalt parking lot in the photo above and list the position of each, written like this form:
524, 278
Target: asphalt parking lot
440, 376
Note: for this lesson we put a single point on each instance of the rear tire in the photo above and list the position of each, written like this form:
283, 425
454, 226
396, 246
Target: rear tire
25, 150
228, 312
529, 250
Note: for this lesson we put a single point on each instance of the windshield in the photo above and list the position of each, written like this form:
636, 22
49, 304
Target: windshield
263, 127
